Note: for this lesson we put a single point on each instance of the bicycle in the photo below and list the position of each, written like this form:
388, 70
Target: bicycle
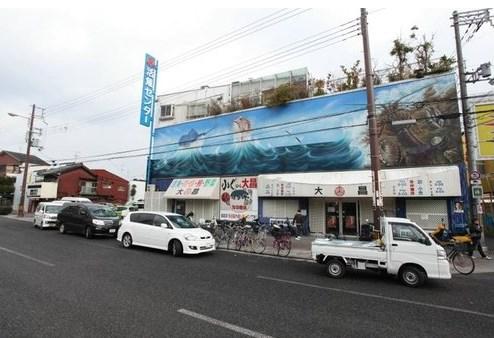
282, 242
462, 262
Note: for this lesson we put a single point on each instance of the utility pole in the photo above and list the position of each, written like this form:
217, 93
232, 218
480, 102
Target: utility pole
20, 210
471, 18
377, 203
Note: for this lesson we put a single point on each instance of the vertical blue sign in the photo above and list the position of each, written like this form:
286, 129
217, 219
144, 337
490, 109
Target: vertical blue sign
148, 90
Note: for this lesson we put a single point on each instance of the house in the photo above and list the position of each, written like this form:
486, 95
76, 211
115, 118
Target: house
110, 187
73, 180
12, 162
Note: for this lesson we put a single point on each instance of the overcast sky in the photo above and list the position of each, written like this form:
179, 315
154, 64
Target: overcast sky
53, 56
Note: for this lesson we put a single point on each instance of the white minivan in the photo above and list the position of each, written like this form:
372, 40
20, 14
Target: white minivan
164, 230
46, 213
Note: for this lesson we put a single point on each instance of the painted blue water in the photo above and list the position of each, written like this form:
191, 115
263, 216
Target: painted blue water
252, 158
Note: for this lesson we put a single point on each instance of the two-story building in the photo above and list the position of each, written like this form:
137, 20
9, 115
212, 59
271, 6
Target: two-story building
12, 162
99, 185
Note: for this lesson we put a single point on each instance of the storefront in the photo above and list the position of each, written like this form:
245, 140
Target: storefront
197, 195
340, 202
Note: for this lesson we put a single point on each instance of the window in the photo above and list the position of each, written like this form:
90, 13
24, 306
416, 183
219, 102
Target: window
106, 185
167, 112
158, 220
408, 232
197, 110
181, 222
143, 218
121, 188
102, 211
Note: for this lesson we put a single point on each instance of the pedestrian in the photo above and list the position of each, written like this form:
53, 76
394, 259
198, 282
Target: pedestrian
190, 216
475, 235
298, 221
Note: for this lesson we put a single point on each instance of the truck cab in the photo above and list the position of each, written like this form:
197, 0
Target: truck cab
404, 250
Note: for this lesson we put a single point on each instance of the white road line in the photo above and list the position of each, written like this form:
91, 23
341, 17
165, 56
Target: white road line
27, 257
392, 299
226, 325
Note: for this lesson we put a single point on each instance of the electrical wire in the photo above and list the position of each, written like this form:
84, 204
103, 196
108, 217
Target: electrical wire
279, 56
184, 57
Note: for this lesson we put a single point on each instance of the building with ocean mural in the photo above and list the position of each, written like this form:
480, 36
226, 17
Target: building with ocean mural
313, 154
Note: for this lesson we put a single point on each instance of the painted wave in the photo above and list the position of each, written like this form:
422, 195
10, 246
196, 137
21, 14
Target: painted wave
251, 158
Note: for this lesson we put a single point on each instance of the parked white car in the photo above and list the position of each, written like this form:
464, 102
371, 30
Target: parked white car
46, 213
166, 231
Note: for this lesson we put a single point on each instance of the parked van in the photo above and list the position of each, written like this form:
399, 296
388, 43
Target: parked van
46, 214
77, 199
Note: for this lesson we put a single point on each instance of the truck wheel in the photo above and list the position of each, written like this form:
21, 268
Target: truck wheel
412, 276
336, 268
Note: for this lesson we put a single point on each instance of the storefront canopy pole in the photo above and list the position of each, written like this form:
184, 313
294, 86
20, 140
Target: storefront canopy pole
377, 202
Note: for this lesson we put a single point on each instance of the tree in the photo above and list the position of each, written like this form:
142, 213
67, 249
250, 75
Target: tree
133, 192
400, 51
319, 84
352, 75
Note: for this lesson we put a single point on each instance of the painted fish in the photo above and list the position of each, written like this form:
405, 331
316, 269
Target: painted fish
187, 139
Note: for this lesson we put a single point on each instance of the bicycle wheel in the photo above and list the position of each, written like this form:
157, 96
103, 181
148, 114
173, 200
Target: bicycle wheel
237, 240
284, 247
258, 245
463, 263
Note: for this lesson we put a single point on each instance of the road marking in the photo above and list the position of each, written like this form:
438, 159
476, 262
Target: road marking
27, 257
226, 325
370, 295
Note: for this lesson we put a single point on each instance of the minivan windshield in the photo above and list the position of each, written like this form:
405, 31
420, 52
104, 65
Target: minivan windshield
102, 211
53, 209
180, 221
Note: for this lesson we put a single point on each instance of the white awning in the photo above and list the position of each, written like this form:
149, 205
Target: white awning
405, 182
194, 188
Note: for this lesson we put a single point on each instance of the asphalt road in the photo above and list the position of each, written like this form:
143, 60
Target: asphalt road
54, 285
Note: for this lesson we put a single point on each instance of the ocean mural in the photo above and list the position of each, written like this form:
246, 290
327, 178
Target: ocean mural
325, 133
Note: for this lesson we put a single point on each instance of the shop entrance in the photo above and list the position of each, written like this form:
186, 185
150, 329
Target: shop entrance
341, 218
179, 207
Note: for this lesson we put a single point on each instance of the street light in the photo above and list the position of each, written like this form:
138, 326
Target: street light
20, 209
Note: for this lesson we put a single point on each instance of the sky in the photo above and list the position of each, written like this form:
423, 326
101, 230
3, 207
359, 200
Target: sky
83, 66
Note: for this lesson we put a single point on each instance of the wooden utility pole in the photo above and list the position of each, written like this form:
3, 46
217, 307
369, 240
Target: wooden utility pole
20, 209
377, 202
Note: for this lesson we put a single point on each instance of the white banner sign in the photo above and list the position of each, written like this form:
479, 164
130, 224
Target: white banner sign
238, 198
409, 182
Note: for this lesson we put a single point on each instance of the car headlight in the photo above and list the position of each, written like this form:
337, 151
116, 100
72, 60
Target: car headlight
441, 253
190, 237
98, 222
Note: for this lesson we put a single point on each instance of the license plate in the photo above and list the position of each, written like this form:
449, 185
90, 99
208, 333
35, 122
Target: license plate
112, 231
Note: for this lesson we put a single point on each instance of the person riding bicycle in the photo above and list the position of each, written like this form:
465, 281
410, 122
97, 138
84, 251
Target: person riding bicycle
441, 233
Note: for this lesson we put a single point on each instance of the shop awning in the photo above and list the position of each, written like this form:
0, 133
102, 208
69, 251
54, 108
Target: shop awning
403, 182
194, 188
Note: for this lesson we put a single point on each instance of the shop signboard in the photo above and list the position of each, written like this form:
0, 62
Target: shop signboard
484, 116
238, 198
193, 188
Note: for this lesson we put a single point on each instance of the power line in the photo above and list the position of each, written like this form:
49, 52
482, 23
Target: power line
311, 119
277, 56
216, 43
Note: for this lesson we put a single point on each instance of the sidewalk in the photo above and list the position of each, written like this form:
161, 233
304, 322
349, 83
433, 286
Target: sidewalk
26, 218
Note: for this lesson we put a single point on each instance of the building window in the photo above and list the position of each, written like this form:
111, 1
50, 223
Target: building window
88, 188
197, 110
121, 188
106, 185
167, 112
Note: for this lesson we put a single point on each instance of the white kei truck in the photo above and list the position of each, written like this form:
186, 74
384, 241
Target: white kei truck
404, 250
